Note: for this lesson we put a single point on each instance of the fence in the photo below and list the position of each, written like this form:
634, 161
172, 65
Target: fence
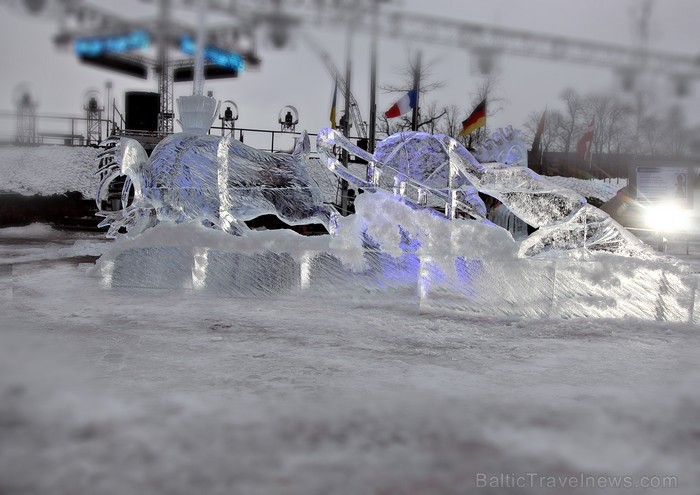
57, 129
76, 131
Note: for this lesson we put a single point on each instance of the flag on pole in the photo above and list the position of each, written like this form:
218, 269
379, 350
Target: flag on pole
538, 134
333, 106
404, 105
584, 144
476, 120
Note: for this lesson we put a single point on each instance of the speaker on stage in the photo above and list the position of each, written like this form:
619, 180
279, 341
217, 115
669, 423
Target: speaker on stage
142, 110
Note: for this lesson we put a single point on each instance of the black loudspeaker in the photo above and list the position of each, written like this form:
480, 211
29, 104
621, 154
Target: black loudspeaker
142, 111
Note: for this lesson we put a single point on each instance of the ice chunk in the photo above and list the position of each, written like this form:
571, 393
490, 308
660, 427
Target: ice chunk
589, 229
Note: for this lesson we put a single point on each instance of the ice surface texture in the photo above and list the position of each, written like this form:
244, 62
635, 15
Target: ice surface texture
197, 113
218, 181
409, 257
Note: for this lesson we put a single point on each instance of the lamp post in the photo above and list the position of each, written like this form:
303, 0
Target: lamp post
108, 87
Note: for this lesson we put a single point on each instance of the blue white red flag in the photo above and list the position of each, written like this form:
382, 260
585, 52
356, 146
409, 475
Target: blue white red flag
404, 105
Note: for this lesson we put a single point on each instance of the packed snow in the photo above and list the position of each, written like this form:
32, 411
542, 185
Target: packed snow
47, 170
122, 391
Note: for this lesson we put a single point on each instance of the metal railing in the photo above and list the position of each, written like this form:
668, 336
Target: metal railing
57, 129
73, 131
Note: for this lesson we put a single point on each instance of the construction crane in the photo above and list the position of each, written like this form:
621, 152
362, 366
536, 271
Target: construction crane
355, 113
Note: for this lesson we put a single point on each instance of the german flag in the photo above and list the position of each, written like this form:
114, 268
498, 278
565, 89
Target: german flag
335, 98
476, 120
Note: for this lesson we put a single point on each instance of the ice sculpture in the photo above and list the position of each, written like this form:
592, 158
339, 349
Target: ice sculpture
419, 235
424, 165
219, 181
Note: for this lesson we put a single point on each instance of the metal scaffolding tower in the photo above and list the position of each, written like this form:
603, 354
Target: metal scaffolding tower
164, 71
26, 119
93, 113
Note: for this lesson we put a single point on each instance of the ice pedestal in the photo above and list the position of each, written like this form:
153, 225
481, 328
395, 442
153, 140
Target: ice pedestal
500, 288
390, 254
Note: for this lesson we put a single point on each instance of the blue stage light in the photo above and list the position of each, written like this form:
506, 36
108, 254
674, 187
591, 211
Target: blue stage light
217, 56
100, 45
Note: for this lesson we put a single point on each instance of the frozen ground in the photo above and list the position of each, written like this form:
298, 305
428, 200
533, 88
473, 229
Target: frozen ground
107, 392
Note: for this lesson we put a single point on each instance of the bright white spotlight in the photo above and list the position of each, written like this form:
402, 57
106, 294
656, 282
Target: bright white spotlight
668, 217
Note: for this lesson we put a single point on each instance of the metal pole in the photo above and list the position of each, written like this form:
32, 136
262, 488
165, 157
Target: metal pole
346, 127
373, 80
199, 56
108, 85
416, 87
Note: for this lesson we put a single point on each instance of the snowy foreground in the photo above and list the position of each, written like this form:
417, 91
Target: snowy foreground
106, 392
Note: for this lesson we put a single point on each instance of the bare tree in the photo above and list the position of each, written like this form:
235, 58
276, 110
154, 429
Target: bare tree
571, 121
451, 124
677, 135
550, 140
613, 119
407, 73
434, 118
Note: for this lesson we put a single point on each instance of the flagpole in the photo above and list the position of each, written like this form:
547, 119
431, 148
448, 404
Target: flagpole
590, 151
416, 87
346, 127
541, 149
373, 80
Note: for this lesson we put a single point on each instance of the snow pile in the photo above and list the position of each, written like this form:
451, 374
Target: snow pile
594, 188
63, 245
47, 170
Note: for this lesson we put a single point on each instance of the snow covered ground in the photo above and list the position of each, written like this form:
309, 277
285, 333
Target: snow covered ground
113, 392
48, 170
107, 392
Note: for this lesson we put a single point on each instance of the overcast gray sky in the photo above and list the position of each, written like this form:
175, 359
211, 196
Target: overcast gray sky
296, 75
